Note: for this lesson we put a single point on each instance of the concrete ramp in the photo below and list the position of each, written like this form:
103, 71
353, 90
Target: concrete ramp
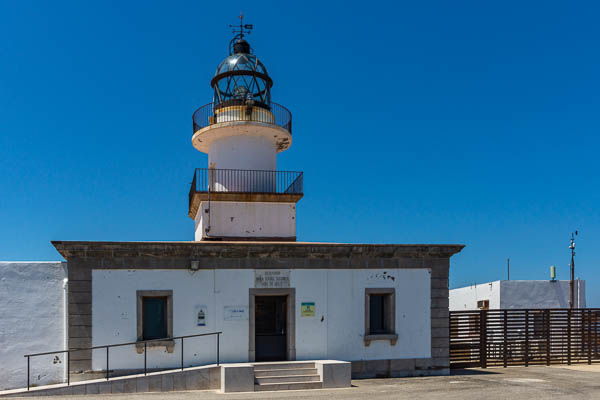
196, 378
226, 378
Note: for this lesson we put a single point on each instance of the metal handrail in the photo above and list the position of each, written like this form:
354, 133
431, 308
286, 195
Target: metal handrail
108, 346
273, 113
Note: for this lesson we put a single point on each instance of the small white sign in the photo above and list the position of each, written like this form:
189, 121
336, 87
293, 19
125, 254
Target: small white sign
272, 278
235, 313
201, 312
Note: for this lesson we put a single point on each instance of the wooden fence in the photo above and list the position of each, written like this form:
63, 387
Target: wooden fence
486, 338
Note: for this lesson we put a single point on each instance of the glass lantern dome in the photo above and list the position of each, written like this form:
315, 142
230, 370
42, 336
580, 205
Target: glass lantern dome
241, 79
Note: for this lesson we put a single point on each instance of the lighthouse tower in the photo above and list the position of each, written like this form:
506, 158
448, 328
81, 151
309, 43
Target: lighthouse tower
241, 195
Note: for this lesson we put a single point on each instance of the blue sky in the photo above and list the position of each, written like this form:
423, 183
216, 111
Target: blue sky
414, 122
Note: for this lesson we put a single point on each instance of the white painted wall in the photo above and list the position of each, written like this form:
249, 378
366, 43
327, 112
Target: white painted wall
540, 294
335, 332
246, 219
517, 294
243, 152
32, 320
466, 298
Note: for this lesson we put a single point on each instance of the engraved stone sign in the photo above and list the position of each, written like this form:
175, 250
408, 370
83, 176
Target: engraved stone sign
272, 278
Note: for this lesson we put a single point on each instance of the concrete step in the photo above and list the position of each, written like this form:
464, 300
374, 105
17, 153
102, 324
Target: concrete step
287, 379
283, 365
284, 372
287, 386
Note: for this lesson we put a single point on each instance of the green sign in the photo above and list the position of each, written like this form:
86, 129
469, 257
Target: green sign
307, 309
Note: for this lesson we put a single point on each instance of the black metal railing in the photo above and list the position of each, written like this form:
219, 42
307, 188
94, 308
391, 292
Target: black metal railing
108, 346
274, 113
212, 180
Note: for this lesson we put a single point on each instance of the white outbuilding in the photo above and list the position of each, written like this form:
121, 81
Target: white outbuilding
517, 294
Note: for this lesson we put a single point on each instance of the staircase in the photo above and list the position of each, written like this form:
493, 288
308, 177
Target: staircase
286, 376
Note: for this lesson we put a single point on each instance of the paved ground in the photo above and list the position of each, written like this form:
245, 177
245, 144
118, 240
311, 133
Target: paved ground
576, 382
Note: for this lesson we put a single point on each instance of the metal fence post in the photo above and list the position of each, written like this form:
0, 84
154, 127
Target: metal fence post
527, 338
145, 352
68, 367
505, 358
27, 373
218, 336
483, 338
569, 316
182, 354
547, 332
588, 335
107, 362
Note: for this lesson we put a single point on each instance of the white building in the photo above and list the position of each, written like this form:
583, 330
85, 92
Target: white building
517, 295
33, 319
382, 307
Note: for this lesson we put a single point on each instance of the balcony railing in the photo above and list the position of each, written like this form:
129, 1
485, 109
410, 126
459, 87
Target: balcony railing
273, 114
211, 180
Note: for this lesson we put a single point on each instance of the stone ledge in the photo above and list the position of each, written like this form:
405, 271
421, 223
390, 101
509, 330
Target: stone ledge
430, 255
392, 337
168, 344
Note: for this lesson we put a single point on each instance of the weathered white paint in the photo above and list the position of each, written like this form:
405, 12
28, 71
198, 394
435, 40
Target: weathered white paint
335, 332
246, 219
518, 294
205, 137
243, 152
32, 320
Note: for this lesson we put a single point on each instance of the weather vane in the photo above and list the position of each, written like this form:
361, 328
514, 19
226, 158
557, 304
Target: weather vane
242, 29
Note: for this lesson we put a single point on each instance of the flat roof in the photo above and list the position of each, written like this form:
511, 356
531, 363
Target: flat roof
204, 248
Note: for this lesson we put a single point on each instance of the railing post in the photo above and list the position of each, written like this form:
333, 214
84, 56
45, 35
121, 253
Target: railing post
145, 352
107, 362
182, 354
68, 367
27, 373
218, 336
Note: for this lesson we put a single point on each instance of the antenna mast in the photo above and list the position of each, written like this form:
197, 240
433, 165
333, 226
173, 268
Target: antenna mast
572, 282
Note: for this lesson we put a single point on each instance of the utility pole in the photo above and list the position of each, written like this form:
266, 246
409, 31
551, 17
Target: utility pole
572, 283
508, 268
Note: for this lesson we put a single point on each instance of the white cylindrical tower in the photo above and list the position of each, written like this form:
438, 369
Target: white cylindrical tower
242, 131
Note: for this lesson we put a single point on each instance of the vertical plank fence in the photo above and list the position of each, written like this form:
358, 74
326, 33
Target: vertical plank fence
494, 338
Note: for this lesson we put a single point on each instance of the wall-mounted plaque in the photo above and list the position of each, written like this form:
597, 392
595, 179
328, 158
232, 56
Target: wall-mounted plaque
272, 278
235, 313
201, 312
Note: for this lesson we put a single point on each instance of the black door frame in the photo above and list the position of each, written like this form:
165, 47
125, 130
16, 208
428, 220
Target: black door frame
290, 294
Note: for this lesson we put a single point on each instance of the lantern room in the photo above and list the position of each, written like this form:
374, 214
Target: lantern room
241, 79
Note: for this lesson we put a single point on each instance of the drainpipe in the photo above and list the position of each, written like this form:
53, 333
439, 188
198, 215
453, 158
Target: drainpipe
66, 325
